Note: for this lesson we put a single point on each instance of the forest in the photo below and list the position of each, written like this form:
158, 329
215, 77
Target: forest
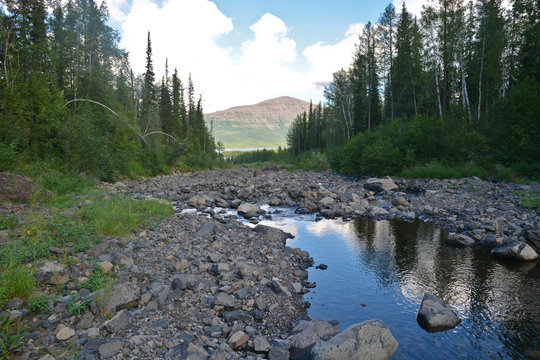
69, 98
457, 87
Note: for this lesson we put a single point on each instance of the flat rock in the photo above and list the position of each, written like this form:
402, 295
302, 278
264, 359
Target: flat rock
238, 339
110, 349
272, 233
306, 334
120, 321
226, 300
434, 315
185, 281
65, 333
459, 240
368, 340
248, 210
515, 250
124, 296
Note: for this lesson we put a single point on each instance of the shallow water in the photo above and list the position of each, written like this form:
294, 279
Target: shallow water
381, 270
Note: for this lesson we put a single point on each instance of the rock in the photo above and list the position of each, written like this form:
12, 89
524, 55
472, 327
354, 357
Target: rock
261, 344
278, 353
212, 227
52, 273
321, 267
297, 287
306, 334
15, 188
238, 339
110, 349
434, 315
200, 200
326, 203
234, 315
248, 210
515, 250
377, 185
184, 281
460, 240
186, 351
226, 300
377, 211
106, 266
279, 288
368, 340
220, 268
534, 237
272, 234
92, 333
124, 296
65, 333
400, 201
120, 321
47, 357
14, 304
274, 201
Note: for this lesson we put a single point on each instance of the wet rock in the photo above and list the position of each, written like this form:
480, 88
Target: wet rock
306, 334
248, 210
186, 351
272, 234
368, 340
459, 240
321, 267
434, 315
515, 250
378, 185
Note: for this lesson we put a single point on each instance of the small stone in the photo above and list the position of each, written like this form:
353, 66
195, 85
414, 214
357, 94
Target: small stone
110, 349
106, 266
65, 333
145, 299
238, 339
92, 333
170, 257
261, 344
297, 287
47, 357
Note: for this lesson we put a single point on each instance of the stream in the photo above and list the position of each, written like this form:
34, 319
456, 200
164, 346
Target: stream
381, 270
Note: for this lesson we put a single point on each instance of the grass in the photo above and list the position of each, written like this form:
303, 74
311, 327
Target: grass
16, 281
96, 280
529, 199
40, 304
78, 307
8, 222
121, 214
12, 337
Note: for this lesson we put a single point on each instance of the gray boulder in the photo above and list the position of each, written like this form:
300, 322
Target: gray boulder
124, 296
326, 203
248, 210
377, 185
272, 234
434, 315
212, 227
305, 336
515, 250
120, 321
368, 340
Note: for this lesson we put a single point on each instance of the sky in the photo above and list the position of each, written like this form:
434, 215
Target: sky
241, 52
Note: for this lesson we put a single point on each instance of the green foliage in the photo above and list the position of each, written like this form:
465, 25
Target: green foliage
77, 307
96, 280
264, 155
41, 303
15, 281
12, 337
530, 198
120, 214
8, 222
313, 161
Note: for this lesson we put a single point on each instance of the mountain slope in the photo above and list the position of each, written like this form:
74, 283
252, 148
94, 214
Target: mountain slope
260, 125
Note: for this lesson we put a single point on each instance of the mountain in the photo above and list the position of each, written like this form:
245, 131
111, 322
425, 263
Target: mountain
261, 125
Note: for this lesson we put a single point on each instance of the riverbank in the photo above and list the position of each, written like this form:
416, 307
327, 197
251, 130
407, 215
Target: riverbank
206, 285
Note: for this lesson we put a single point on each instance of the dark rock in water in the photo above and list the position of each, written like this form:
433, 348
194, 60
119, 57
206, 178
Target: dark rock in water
305, 336
434, 315
515, 250
321, 267
272, 234
368, 340
459, 240
310, 285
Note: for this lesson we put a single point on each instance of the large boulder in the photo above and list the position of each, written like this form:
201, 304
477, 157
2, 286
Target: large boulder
306, 334
15, 187
326, 203
272, 234
434, 315
378, 185
515, 250
368, 340
124, 296
248, 210
201, 200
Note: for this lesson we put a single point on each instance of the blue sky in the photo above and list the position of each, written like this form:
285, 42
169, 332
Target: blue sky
245, 51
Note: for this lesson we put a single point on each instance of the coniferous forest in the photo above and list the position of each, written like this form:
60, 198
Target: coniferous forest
68, 97
457, 86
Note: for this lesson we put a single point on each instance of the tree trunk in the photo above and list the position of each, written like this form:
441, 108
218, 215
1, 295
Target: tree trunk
438, 91
480, 78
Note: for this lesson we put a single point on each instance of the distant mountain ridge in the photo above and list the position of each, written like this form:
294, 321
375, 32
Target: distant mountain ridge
264, 124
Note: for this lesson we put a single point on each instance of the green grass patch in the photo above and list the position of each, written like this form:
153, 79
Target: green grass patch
40, 304
77, 307
96, 280
16, 281
436, 170
12, 337
121, 214
8, 222
530, 198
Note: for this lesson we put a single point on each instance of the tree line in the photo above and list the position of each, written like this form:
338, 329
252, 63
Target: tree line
458, 84
70, 97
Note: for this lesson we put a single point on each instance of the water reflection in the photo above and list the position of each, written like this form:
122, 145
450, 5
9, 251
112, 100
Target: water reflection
381, 269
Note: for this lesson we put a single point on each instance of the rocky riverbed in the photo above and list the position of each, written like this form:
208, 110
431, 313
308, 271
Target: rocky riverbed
203, 285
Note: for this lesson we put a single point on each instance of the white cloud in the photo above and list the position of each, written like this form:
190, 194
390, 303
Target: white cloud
325, 59
116, 10
413, 6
